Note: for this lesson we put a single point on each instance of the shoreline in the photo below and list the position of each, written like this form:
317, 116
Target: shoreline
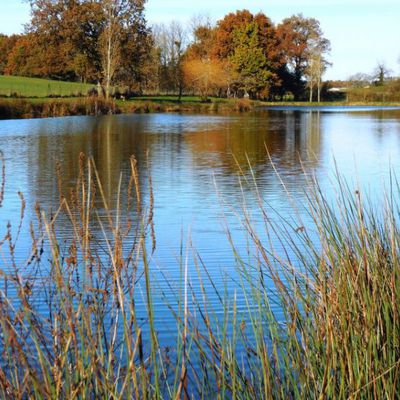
27, 108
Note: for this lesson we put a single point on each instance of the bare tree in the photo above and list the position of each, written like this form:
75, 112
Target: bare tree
171, 42
316, 62
381, 73
359, 80
199, 21
110, 43
119, 16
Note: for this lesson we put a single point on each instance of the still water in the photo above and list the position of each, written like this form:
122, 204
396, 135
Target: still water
195, 162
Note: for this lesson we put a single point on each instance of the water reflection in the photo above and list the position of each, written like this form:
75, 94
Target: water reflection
248, 140
173, 145
184, 153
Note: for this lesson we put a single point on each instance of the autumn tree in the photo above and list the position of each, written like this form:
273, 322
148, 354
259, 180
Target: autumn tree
65, 35
24, 58
257, 68
204, 73
202, 43
89, 40
298, 36
123, 29
224, 46
136, 48
7, 44
82, 28
49, 55
204, 76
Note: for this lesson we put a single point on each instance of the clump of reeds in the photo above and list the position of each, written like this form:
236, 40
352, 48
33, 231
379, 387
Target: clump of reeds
335, 286
242, 105
338, 287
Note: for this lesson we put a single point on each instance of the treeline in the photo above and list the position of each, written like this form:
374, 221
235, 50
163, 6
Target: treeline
109, 42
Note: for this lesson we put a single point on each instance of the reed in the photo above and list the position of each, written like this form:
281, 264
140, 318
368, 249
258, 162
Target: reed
336, 285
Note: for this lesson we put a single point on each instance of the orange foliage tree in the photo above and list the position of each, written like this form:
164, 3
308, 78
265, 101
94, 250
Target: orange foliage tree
299, 37
250, 44
204, 73
205, 76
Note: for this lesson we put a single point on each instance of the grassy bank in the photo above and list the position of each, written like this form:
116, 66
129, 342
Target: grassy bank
338, 336
17, 86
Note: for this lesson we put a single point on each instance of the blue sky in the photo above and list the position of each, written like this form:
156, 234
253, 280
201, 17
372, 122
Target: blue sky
362, 32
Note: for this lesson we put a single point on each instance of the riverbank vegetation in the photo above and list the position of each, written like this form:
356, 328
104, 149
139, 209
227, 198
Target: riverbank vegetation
38, 108
63, 107
320, 320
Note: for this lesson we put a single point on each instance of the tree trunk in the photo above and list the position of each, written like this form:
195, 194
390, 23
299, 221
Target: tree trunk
108, 68
319, 90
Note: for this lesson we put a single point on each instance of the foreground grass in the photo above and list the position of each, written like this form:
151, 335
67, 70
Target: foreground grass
17, 86
339, 292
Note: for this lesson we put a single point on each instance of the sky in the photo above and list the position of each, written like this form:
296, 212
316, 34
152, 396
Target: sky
363, 33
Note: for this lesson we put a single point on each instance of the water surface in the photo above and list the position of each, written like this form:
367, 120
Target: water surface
195, 162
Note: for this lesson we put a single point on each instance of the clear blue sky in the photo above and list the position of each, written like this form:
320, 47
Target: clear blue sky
362, 32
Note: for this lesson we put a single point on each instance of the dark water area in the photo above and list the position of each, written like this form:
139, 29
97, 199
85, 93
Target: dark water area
199, 165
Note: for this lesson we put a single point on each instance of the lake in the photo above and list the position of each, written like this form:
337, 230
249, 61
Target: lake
202, 168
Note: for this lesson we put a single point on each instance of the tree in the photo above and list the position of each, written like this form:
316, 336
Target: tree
82, 27
359, 80
380, 74
136, 50
170, 42
204, 72
24, 59
110, 45
123, 42
249, 61
90, 40
224, 46
205, 76
66, 35
46, 29
316, 64
301, 40
238, 30
7, 43
202, 44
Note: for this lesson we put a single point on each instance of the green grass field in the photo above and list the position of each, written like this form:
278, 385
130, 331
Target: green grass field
35, 87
